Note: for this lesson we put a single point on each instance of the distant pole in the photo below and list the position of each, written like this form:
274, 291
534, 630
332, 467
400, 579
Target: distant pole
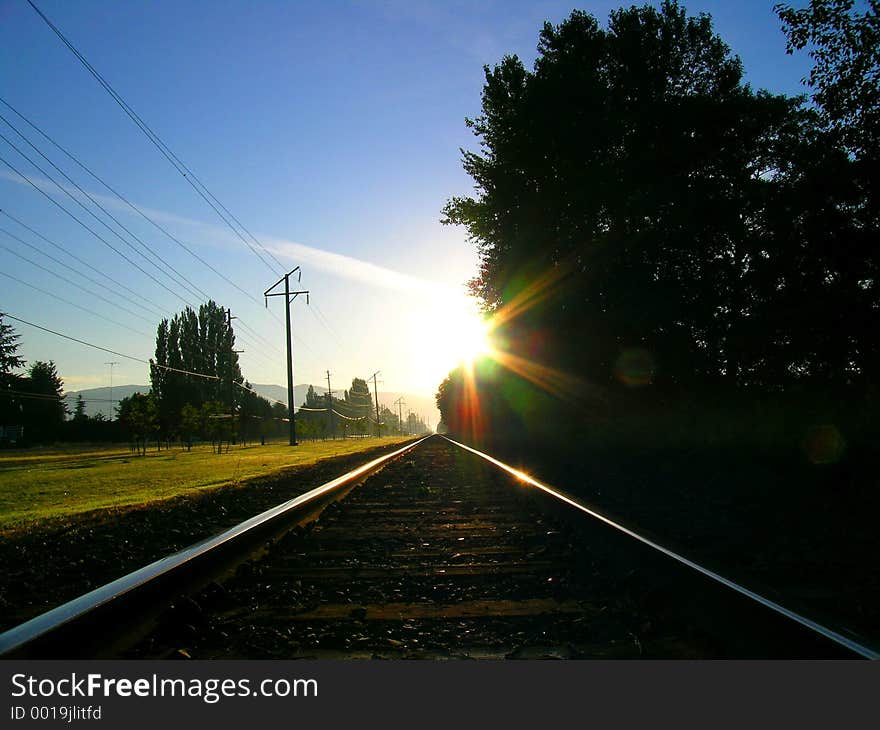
400, 403
232, 352
376, 395
111, 364
291, 416
330, 407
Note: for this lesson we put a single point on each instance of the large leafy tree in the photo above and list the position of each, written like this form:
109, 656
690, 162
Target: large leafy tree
358, 401
843, 39
844, 44
643, 215
138, 414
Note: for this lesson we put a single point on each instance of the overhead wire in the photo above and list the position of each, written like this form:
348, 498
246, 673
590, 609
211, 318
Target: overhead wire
131, 205
172, 158
319, 315
254, 333
53, 295
62, 278
86, 226
72, 255
151, 363
168, 271
106, 349
89, 211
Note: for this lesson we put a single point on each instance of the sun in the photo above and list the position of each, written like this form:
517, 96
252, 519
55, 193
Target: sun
469, 338
450, 332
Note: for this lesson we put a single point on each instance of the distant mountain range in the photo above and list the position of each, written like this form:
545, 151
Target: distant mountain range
97, 400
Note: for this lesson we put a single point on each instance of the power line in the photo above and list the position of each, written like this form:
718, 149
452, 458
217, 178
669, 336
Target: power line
254, 333
72, 255
175, 276
74, 339
84, 207
84, 225
64, 279
112, 352
175, 161
72, 304
131, 205
325, 323
255, 348
264, 397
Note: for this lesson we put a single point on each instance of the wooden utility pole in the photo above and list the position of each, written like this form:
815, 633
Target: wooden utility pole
376, 396
232, 351
330, 407
400, 402
291, 414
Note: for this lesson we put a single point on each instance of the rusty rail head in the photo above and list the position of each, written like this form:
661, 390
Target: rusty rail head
18, 638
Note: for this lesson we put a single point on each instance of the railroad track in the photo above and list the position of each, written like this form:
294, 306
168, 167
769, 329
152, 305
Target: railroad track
441, 553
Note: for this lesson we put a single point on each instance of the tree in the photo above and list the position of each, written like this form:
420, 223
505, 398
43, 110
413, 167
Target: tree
138, 414
10, 401
358, 401
9, 359
190, 422
44, 409
845, 47
199, 342
79, 411
639, 205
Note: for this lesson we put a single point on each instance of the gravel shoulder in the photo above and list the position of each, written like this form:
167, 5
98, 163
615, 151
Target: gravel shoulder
45, 567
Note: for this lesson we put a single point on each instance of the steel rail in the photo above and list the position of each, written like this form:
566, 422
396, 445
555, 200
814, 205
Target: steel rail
40, 627
834, 636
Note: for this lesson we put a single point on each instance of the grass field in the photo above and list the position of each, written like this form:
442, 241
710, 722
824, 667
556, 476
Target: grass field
42, 484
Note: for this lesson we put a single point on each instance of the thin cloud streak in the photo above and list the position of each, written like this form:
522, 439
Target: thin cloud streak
108, 201
349, 267
335, 264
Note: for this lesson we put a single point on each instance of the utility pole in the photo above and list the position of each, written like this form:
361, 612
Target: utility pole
232, 352
330, 407
111, 364
376, 395
291, 417
400, 402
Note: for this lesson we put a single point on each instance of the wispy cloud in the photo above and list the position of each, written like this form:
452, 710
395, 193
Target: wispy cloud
355, 269
329, 262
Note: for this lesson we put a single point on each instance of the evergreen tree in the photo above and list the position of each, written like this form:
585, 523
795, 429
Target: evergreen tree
10, 401
44, 410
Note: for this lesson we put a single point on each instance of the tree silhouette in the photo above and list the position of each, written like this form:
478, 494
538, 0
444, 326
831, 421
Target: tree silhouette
198, 342
845, 47
10, 402
649, 205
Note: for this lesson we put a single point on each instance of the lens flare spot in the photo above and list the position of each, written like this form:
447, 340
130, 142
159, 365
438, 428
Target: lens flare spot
635, 367
824, 444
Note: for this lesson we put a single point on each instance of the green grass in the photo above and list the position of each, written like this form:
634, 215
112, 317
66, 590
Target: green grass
45, 484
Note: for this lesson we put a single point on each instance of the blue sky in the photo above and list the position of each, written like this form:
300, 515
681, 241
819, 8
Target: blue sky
330, 129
